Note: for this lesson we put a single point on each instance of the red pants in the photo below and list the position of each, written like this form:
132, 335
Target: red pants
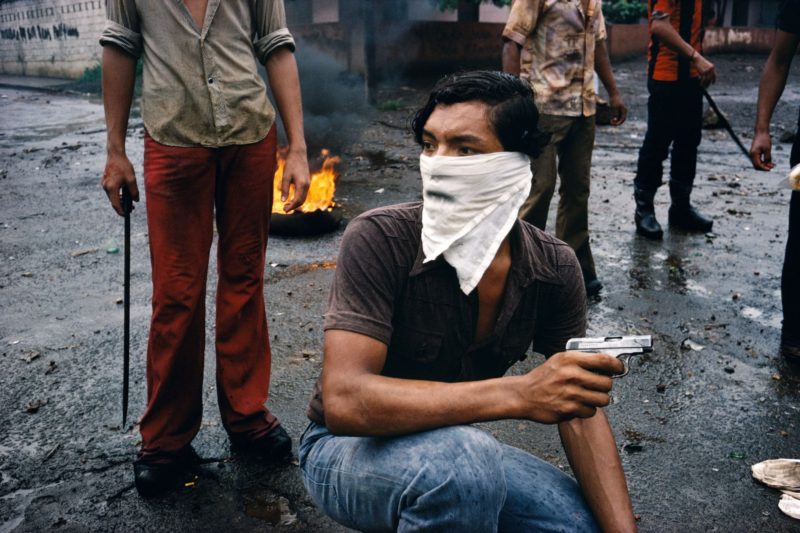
184, 187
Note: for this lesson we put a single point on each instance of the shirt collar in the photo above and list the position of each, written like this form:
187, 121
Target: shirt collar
528, 261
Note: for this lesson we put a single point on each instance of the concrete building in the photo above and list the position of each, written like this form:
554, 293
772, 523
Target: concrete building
58, 38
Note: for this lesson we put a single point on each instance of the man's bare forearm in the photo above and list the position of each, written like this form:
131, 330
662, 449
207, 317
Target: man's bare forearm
511, 57
773, 78
360, 401
284, 83
119, 77
376, 405
666, 34
592, 453
602, 64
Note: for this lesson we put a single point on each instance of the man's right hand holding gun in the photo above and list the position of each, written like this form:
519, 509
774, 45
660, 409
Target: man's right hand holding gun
568, 385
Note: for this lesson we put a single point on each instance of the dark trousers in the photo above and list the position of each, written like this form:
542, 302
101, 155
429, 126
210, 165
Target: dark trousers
188, 189
790, 281
674, 117
568, 157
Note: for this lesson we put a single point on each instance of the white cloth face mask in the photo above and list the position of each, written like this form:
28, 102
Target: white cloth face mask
470, 204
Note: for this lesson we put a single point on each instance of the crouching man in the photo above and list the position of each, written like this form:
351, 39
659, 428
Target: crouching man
431, 304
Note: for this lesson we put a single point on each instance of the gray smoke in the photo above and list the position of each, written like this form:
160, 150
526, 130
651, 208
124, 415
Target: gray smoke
334, 100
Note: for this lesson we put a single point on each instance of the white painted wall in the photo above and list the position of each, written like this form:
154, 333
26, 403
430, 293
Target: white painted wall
492, 13
325, 11
55, 38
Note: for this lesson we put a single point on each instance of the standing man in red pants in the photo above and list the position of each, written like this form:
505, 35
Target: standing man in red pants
210, 155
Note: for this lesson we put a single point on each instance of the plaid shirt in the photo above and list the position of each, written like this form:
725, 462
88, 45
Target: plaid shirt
558, 42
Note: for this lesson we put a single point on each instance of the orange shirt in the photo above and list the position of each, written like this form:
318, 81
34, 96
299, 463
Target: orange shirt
686, 16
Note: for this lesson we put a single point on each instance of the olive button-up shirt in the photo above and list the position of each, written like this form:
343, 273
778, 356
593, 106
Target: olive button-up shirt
201, 86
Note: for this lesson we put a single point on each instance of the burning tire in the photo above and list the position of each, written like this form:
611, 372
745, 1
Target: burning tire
319, 213
304, 224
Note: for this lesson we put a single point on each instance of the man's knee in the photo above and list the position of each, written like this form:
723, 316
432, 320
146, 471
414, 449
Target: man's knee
460, 485
466, 469
448, 479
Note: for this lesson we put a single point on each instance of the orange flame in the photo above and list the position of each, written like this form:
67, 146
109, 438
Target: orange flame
320, 192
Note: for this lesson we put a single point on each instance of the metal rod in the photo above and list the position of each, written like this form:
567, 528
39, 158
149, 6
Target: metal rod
727, 125
126, 206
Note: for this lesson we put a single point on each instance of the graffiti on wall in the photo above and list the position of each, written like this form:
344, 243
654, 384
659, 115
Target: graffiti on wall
58, 31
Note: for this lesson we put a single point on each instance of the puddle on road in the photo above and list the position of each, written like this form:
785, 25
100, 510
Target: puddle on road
66, 115
752, 313
275, 511
696, 288
772, 320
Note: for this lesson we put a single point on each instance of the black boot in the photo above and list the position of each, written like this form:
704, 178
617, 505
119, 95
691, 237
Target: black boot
682, 215
154, 480
688, 218
593, 286
645, 215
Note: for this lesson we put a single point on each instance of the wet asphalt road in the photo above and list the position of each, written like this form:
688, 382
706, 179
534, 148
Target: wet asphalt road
689, 422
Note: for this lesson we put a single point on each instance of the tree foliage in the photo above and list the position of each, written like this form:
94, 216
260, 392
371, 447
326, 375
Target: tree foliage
620, 11
451, 5
624, 11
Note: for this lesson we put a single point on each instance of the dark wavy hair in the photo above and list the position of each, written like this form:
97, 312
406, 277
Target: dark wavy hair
513, 113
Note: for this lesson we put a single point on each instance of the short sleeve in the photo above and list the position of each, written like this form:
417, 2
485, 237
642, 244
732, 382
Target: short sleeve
564, 313
600, 32
122, 27
522, 20
662, 9
271, 31
363, 292
789, 16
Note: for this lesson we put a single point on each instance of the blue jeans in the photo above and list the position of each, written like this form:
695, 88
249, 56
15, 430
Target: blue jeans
448, 479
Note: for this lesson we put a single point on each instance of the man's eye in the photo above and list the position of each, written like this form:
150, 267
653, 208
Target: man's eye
427, 146
465, 150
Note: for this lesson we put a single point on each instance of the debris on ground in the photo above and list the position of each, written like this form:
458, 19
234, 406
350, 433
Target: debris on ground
83, 251
711, 120
30, 356
689, 344
787, 136
34, 406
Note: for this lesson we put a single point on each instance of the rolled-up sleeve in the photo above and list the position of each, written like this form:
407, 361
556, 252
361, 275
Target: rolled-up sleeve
522, 20
122, 27
662, 9
271, 31
363, 291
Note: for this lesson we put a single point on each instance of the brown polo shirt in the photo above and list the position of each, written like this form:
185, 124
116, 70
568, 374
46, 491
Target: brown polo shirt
382, 289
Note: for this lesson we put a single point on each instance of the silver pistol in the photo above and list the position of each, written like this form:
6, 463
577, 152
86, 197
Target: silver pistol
623, 348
